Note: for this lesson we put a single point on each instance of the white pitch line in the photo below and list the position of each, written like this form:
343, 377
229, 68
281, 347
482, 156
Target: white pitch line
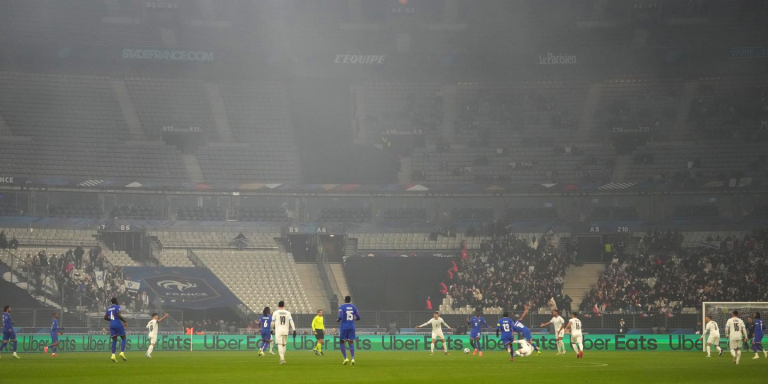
592, 365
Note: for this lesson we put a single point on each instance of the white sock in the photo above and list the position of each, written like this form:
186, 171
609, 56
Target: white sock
433, 347
738, 354
281, 351
581, 347
708, 351
561, 346
733, 353
718, 349
445, 347
575, 347
149, 350
271, 346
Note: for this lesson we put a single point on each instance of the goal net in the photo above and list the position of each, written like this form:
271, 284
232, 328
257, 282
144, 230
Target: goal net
721, 312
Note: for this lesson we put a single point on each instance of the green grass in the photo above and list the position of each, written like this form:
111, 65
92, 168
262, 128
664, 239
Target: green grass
383, 367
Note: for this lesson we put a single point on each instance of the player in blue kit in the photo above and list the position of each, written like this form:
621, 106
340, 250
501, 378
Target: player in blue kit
347, 316
117, 326
266, 330
520, 328
54, 335
505, 326
9, 335
476, 322
757, 342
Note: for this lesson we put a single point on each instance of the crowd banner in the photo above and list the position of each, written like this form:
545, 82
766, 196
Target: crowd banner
101, 343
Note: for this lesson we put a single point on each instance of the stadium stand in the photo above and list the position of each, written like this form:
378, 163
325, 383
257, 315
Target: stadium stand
663, 278
139, 212
180, 104
413, 241
74, 211
352, 215
507, 272
258, 278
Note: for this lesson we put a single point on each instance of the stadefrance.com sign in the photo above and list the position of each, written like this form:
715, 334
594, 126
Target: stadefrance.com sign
166, 55
101, 343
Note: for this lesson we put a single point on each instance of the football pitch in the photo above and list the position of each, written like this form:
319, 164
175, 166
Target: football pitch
383, 367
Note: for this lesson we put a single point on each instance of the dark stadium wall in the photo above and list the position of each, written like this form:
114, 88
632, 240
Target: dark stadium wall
395, 283
321, 113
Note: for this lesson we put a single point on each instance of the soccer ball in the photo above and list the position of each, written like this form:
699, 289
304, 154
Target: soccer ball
466, 350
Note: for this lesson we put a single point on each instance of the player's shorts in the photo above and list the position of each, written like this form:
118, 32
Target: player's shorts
266, 335
320, 334
527, 334
437, 335
281, 339
116, 330
474, 335
575, 339
506, 340
559, 334
714, 340
525, 351
152, 339
735, 344
54, 338
347, 334
9, 334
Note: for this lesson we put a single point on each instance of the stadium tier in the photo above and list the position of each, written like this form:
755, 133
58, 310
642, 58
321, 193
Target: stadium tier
184, 178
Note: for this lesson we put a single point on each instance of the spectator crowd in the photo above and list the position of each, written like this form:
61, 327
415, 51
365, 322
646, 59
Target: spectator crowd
509, 272
664, 278
75, 277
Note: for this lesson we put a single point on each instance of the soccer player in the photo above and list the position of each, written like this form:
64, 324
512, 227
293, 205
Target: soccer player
714, 335
318, 327
153, 326
348, 314
525, 348
266, 331
282, 323
520, 328
437, 323
9, 335
117, 326
757, 342
577, 339
475, 335
54, 335
506, 326
736, 333
557, 322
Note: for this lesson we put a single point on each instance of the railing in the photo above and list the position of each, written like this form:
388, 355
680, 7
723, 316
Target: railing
327, 275
194, 259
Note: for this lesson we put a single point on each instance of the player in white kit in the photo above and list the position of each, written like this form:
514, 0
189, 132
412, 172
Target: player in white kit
525, 348
557, 322
714, 335
736, 332
153, 326
282, 324
437, 323
577, 339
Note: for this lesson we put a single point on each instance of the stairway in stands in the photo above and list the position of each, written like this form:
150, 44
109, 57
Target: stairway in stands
193, 168
579, 280
309, 273
341, 279
350, 248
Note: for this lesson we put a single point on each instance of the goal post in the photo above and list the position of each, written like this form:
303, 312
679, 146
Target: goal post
720, 311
